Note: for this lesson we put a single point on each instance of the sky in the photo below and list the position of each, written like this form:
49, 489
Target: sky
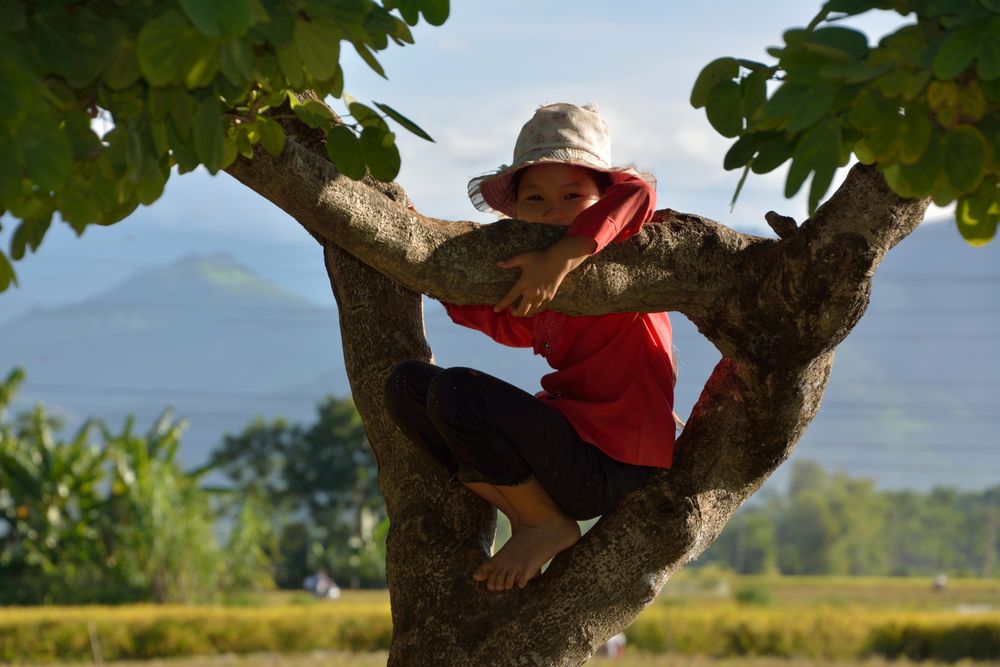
471, 84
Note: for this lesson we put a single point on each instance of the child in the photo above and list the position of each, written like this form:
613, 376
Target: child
604, 420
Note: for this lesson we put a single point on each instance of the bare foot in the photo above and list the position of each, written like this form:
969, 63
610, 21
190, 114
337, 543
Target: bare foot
521, 559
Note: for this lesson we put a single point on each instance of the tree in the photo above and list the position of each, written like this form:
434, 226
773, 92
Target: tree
319, 483
775, 308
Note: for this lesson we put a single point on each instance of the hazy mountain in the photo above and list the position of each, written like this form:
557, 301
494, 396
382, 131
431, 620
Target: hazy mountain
914, 399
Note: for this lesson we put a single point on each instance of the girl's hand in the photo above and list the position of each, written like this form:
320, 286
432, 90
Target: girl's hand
542, 273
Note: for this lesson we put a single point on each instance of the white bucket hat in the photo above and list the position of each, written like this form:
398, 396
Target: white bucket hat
556, 133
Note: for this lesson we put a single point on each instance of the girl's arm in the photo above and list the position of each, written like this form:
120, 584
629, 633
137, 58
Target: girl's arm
502, 327
620, 213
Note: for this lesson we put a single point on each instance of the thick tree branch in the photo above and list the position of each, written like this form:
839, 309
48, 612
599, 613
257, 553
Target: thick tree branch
775, 308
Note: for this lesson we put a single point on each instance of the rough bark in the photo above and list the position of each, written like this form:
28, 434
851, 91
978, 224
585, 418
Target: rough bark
776, 309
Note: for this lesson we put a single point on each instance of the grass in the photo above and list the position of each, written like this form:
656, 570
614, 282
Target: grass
378, 659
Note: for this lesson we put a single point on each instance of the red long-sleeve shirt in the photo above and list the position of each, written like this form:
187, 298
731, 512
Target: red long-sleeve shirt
613, 376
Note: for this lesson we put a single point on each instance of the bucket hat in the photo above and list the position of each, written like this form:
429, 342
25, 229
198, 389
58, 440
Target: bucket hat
558, 132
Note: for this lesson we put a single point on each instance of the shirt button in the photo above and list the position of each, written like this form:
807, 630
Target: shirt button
558, 394
547, 346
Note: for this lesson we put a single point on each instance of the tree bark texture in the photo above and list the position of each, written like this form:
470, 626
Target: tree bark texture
775, 308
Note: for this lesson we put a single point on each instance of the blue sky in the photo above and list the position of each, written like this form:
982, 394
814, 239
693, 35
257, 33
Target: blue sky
471, 84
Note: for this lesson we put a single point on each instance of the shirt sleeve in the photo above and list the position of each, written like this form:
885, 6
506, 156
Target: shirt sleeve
502, 327
620, 213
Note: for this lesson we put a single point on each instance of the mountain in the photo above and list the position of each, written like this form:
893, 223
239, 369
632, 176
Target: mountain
203, 335
913, 400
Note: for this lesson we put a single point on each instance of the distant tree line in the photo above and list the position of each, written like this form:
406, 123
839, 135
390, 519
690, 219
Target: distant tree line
112, 517
830, 523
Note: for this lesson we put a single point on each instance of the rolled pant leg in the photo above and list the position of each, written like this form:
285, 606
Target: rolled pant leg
406, 403
486, 430
503, 435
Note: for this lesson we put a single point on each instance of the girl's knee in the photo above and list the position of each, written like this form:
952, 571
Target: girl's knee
406, 381
450, 392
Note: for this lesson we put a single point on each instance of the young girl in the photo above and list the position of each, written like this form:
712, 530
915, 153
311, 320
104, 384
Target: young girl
604, 419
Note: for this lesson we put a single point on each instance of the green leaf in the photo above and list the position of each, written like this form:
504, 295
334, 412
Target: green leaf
10, 169
369, 58
435, 12
123, 68
956, 53
28, 234
818, 150
988, 57
7, 274
318, 45
280, 29
848, 7
45, 151
291, 65
771, 155
713, 74
344, 150
914, 135
236, 16
965, 154
403, 120
739, 188
977, 223
741, 152
380, 153
208, 135
11, 18
837, 42
753, 89
924, 173
871, 111
800, 104
162, 48
271, 135
204, 14
314, 114
724, 109
408, 9
237, 61
365, 115
201, 62
85, 145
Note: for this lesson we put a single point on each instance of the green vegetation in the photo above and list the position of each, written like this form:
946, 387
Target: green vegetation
703, 621
319, 485
112, 520
923, 104
178, 83
833, 524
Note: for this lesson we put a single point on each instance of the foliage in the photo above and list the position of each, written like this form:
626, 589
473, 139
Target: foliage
832, 524
363, 623
923, 104
176, 83
110, 521
320, 485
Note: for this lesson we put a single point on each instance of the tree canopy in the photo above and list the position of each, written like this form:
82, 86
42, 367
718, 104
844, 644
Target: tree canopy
178, 84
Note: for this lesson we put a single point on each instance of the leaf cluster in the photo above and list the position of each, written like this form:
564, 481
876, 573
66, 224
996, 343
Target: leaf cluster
114, 518
923, 104
101, 100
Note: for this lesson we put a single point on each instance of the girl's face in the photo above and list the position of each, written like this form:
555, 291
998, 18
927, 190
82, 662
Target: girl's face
555, 192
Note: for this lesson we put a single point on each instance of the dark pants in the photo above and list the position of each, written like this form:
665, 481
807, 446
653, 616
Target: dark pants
483, 429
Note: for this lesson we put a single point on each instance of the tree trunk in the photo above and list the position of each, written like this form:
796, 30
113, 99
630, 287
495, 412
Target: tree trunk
776, 309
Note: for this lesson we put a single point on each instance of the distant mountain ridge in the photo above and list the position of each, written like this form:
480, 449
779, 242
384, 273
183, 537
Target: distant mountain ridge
912, 400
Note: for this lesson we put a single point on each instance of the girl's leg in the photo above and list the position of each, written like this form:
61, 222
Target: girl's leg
406, 402
532, 456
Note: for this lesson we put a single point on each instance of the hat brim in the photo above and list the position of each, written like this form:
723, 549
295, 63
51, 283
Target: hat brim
493, 192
